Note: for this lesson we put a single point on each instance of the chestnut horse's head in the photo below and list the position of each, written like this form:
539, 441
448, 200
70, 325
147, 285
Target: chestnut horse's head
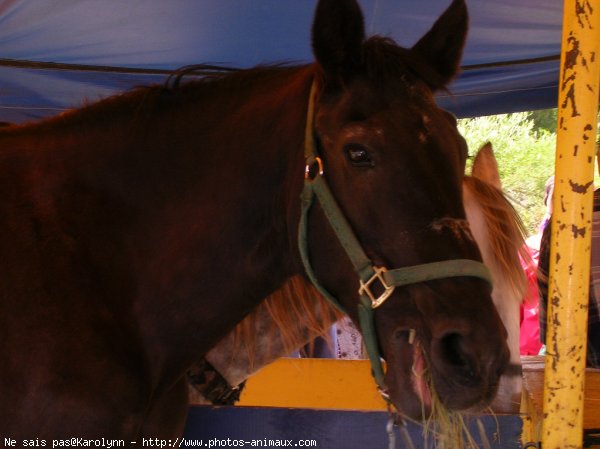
393, 162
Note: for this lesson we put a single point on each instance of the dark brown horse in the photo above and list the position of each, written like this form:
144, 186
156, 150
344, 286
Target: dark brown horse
136, 232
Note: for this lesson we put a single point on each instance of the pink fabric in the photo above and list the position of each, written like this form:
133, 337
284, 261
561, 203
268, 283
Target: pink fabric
530, 325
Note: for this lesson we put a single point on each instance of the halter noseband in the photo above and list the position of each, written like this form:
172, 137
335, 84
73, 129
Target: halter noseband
368, 274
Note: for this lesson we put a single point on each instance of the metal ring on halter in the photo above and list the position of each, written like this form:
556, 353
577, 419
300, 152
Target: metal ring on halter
309, 165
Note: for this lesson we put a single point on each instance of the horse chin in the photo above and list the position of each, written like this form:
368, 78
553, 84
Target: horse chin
456, 394
413, 395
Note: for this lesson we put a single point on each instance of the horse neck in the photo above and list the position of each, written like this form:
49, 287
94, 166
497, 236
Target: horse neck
189, 200
498, 233
235, 216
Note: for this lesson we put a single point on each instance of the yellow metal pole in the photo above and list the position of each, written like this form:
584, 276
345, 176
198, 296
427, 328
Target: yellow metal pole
571, 226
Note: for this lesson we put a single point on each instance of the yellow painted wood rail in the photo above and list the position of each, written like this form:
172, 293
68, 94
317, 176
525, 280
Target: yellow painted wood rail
314, 383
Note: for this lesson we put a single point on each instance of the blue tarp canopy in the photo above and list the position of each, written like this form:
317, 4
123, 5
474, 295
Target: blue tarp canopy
59, 54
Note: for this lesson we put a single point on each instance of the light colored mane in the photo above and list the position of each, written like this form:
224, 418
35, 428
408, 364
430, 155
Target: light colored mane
506, 233
295, 311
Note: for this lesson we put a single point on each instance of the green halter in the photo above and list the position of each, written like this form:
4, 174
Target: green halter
368, 274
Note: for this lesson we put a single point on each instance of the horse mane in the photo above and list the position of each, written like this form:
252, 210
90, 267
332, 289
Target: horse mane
296, 309
143, 101
506, 233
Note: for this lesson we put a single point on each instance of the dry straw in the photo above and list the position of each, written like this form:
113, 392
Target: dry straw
443, 428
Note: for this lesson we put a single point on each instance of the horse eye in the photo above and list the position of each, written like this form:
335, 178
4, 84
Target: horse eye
358, 155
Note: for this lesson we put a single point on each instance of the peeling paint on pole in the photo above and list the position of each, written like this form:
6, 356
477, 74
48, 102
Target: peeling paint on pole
571, 227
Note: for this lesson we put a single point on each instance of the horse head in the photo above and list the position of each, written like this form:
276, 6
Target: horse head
393, 162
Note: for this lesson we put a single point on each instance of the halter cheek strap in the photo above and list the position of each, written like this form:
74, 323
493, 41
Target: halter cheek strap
315, 187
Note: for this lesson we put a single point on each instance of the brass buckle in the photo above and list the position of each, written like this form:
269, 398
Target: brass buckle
365, 287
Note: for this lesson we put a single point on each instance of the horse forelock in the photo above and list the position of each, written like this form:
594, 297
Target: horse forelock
505, 233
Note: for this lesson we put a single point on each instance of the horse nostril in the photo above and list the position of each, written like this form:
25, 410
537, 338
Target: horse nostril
451, 349
454, 350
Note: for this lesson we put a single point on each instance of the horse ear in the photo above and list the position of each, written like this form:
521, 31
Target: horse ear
485, 166
442, 46
338, 33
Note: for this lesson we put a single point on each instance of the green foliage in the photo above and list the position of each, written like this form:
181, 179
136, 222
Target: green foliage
525, 153
544, 119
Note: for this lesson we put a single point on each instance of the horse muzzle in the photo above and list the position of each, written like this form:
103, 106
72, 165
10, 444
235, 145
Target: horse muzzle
464, 375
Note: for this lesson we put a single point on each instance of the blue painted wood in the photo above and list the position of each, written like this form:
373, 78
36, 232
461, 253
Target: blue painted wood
323, 429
